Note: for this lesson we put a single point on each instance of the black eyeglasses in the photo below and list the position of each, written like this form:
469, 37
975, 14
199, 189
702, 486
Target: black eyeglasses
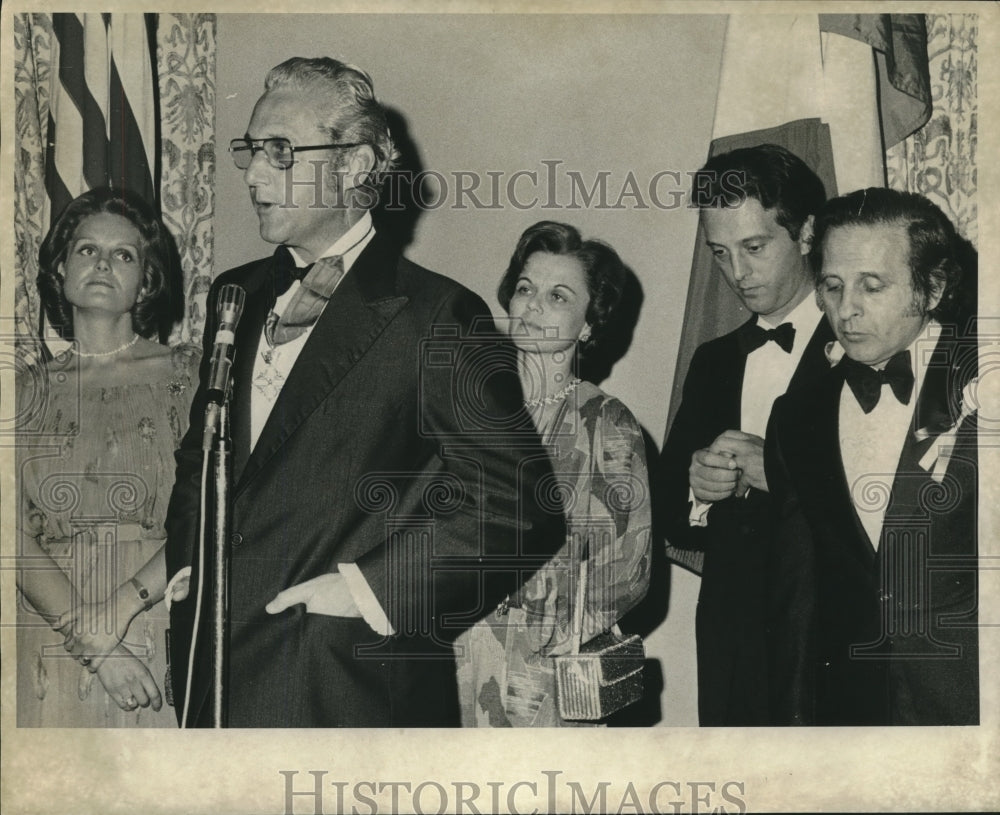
279, 152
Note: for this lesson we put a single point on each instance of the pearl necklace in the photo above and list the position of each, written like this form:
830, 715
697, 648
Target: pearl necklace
555, 397
118, 350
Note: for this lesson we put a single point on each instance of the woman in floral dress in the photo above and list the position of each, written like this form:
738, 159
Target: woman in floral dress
561, 293
97, 427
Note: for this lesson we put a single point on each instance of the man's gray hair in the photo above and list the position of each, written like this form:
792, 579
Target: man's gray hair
347, 94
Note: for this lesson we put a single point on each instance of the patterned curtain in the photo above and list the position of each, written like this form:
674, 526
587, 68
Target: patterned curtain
185, 62
939, 160
32, 64
186, 74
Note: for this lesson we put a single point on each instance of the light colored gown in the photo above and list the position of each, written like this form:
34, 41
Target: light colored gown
95, 472
505, 662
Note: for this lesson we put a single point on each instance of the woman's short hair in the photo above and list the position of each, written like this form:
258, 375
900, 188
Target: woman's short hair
152, 311
935, 249
603, 269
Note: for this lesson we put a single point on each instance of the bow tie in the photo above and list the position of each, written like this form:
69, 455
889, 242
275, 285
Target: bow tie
754, 336
866, 382
285, 270
303, 309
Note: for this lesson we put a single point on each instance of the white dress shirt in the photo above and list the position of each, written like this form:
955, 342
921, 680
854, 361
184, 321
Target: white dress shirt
272, 366
270, 370
768, 371
871, 443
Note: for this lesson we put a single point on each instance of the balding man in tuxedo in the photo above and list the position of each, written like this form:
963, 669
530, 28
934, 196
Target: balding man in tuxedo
874, 474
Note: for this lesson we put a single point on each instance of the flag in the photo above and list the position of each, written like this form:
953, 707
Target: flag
102, 127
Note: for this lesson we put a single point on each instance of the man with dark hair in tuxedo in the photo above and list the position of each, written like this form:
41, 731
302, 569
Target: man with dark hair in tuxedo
756, 209
874, 474
384, 471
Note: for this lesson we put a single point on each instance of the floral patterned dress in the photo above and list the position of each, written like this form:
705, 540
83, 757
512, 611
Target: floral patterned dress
95, 470
506, 666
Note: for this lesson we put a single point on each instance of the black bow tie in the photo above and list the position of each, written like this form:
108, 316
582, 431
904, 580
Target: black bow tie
285, 270
866, 382
754, 336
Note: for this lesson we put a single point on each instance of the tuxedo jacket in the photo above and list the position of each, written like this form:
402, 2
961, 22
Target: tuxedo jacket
729, 620
866, 636
398, 442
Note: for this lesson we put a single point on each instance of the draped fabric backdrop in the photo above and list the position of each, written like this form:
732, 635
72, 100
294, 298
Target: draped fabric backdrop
186, 65
939, 160
185, 98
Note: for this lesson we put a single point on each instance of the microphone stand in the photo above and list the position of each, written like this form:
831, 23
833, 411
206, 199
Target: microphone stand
222, 476
218, 391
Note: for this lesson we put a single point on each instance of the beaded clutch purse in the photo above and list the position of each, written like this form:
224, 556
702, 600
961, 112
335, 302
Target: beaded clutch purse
601, 677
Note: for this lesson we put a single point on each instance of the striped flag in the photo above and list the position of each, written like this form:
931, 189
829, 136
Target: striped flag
102, 128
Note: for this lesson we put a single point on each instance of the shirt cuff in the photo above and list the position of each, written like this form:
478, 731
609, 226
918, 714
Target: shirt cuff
177, 588
699, 511
365, 599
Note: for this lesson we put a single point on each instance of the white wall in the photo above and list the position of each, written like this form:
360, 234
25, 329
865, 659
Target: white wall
615, 94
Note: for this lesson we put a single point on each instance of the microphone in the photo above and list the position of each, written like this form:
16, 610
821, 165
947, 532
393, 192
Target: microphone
229, 309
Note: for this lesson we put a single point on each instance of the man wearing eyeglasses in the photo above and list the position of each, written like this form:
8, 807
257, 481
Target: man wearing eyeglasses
370, 505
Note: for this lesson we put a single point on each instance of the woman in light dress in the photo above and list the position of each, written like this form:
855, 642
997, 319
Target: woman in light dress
98, 425
561, 293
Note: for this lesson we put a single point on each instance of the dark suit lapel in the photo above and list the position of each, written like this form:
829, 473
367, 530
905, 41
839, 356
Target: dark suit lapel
937, 407
830, 474
359, 310
734, 402
731, 379
814, 375
258, 304
813, 362
939, 401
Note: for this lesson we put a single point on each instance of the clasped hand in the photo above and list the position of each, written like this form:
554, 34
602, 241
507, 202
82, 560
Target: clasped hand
127, 681
91, 631
732, 464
